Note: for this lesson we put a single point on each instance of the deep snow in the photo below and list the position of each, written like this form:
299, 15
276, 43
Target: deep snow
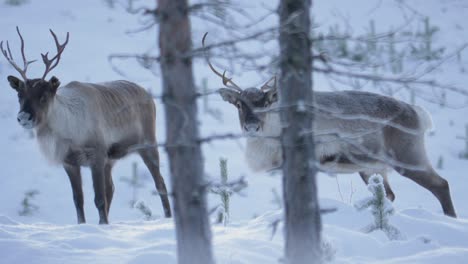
50, 235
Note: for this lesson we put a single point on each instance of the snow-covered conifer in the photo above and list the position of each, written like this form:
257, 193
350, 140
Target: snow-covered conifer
380, 207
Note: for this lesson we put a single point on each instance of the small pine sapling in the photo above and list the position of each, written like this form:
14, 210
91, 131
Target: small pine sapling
214, 112
223, 214
425, 50
371, 42
395, 55
440, 163
27, 207
464, 154
380, 207
144, 209
225, 190
328, 252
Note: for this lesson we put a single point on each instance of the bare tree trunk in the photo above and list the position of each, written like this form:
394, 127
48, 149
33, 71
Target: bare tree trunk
302, 216
185, 157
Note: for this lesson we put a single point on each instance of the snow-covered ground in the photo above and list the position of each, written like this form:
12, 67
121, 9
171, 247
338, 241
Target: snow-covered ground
50, 234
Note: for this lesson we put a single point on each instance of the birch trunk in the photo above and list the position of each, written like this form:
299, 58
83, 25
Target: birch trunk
185, 158
302, 216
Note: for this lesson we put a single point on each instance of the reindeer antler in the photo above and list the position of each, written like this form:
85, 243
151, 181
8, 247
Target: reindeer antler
50, 64
10, 59
223, 76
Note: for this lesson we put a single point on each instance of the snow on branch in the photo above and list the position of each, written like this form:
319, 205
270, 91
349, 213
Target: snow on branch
381, 209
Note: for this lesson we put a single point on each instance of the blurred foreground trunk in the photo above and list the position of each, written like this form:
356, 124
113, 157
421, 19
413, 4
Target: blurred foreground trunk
185, 157
302, 213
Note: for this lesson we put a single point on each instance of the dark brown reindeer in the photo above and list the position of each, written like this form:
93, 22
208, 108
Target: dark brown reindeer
353, 132
87, 124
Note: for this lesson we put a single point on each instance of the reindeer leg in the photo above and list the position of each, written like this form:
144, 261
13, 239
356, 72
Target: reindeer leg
150, 157
98, 174
74, 175
413, 163
388, 190
109, 184
431, 181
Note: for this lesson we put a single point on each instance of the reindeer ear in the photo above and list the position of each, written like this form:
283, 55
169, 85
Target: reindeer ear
15, 83
269, 85
270, 89
229, 95
55, 83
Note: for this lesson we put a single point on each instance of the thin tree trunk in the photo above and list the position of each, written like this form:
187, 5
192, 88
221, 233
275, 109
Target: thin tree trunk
185, 157
302, 216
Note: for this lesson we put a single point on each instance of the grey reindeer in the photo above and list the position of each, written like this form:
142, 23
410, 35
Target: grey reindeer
87, 124
353, 132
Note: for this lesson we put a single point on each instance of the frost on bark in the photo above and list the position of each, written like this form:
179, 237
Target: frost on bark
185, 158
302, 217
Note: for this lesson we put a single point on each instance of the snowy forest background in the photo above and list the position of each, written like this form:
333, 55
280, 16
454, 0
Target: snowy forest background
394, 40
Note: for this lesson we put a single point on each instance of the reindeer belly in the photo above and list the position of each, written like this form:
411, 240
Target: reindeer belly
346, 163
333, 154
338, 155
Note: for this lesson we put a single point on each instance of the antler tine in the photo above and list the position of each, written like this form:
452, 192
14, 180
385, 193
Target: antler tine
50, 64
25, 62
223, 76
9, 51
8, 55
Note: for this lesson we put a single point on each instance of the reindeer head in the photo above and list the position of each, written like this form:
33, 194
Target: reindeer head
34, 95
252, 103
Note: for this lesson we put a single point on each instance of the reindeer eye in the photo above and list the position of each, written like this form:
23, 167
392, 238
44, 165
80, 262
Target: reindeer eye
239, 105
